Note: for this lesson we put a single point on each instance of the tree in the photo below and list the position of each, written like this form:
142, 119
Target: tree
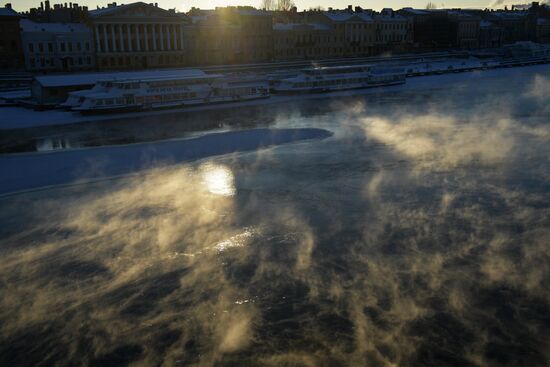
268, 4
431, 5
285, 5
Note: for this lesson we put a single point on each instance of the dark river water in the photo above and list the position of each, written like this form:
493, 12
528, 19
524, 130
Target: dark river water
418, 234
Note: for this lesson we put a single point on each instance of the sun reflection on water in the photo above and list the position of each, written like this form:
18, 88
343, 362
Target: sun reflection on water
218, 179
238, 240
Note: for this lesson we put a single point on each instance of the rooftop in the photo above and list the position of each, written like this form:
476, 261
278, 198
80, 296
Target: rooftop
30, 26
8, 12
298, 26
345, 15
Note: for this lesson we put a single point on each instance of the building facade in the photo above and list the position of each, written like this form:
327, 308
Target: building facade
467, 29
11, 51
54, 47
138, 36
229, 35
302, 41
394, 32
352, 32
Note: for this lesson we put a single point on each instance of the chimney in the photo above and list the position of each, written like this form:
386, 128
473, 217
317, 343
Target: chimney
41, 5
350, 8
47, 3
358, 9
156, 5
8, 6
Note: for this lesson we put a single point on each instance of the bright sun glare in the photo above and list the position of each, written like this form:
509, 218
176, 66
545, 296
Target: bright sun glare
218, 179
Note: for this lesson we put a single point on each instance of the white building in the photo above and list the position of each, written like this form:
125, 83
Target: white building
138, 36
50, 47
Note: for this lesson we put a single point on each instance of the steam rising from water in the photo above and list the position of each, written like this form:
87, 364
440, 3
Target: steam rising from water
416, 237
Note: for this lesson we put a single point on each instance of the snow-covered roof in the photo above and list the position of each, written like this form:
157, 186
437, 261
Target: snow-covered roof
338, 16
346, 15
111, 9
67, 80
506, 14
7, 12
389, 18
364, 16
30, 26
252, 12
297, 26
459, 13
416, 11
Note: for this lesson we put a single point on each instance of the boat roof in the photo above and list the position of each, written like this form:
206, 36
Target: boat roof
341, 67
67, 80
160, 79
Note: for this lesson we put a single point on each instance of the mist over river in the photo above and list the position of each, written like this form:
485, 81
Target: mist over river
417, 233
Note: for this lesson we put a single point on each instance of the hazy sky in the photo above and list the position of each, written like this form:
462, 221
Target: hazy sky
301, 4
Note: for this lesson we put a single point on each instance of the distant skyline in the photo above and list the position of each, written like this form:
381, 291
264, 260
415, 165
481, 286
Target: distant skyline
22, 5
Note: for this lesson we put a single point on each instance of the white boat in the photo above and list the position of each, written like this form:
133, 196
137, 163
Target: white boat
76, 98
335, 78
151, 93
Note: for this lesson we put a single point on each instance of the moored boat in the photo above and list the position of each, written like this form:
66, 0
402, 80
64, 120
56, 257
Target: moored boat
188, 89
336, 78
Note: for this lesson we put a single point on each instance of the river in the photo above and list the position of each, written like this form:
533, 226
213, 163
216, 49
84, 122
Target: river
416, 234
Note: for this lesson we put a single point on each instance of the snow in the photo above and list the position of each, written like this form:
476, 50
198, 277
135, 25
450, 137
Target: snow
298, 26
7, 12
92, 78
28, 26
18, 117
15, 94
37, 170
416, 11
344, 15
338, 16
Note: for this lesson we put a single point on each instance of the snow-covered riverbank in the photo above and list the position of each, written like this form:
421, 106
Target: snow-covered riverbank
18, 117
35, 170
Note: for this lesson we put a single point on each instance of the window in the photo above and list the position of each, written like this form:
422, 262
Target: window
31, 47
80, 61
41, 47
62, 46
50, 47
87, 46
78, 46
70, 46
88, 60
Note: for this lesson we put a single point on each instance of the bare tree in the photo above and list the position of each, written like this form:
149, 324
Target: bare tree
285, 5
431, 5
267, 4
